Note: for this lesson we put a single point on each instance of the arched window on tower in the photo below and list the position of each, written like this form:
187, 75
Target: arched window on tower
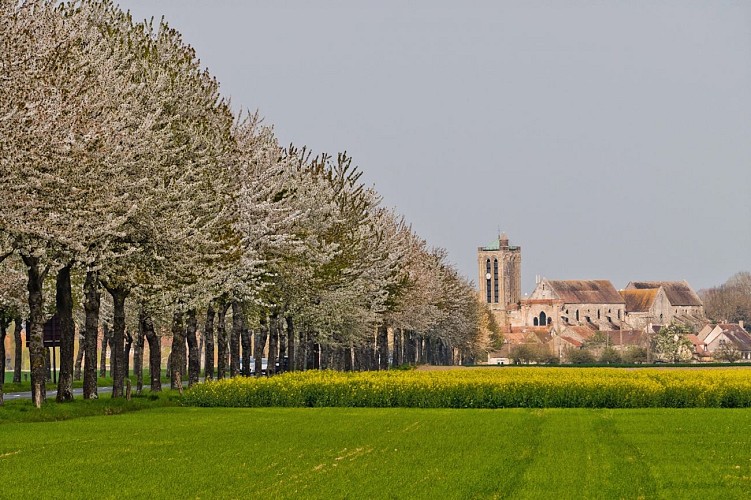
543, 319
487, 280
495, 280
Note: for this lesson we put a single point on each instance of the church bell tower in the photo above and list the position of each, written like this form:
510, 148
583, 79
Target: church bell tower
499, 271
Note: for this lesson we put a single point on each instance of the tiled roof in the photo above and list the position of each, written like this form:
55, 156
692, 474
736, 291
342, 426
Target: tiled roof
737, 335
679, 293
586, 292
639, 300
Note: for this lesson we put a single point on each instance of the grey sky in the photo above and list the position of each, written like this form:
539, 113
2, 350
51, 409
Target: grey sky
611, 140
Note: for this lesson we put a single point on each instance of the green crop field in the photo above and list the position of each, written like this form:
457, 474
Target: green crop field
382, 453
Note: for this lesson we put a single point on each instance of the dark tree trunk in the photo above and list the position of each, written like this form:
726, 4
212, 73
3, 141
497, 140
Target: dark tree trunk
397, 358
273, 344
208, 335
283, 354
64, 304
36, 330
234, 341
260, 345
222, 343
18, 351
91, 303
117, 342
246, 353
326, 352
359, 354
382, 341
419, 350
48, 364
155, 353
312, 351
304, 349
291, 345
177, 355
194, 354
78, 369
138, 353
126, 353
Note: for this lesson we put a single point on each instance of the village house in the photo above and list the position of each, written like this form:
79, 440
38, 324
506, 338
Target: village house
730, 335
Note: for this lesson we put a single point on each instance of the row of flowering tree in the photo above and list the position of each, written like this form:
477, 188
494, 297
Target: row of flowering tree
124, 171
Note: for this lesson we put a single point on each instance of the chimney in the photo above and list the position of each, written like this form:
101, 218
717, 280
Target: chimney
740, 323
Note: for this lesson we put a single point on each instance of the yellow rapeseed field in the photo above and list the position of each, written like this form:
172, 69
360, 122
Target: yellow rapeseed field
506, 387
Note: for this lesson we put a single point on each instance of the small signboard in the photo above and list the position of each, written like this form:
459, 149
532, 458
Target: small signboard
52, 332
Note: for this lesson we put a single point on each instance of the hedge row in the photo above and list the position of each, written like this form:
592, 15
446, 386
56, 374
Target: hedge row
485, 388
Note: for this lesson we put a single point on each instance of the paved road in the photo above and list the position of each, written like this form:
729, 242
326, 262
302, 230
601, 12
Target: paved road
52, 393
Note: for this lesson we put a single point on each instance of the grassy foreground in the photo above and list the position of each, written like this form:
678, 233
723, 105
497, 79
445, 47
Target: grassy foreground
382, 453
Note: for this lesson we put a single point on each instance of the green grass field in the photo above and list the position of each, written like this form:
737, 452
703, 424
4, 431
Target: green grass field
381, 453
25, 385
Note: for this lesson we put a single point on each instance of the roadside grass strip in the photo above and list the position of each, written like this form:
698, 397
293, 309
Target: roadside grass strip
484, 388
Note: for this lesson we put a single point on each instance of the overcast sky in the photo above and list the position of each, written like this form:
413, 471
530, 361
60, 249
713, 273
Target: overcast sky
611, 140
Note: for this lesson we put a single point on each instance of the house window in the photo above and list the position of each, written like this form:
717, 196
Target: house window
577, 315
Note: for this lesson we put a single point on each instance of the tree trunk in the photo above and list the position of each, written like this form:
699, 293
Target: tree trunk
312, 361
36, 330
117, 342
282, 338
326, 351
194, 355
91, 303
155, 353
177, 356
18, 351
78, 369
260, 345
245, 341
48, 364
303, 346
291, 345
222, 343
234, 341
397, 358
126, 353
138, 353
64, 304
273, 345
106, 338
383, 346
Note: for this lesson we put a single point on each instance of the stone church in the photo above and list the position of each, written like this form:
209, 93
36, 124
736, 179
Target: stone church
595, 304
